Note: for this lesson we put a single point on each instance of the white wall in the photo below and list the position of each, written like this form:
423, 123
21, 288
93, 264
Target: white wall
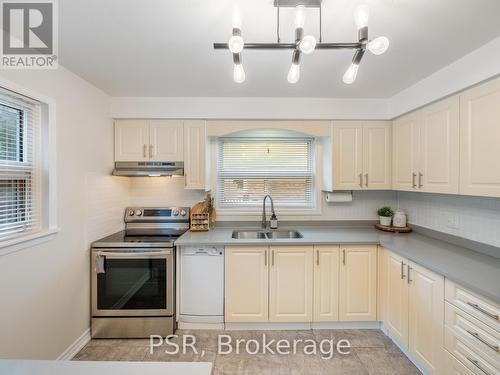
474, 218
170, 191
44, 289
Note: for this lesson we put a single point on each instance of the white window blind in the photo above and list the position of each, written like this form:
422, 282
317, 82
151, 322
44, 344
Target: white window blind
250, 168
20, 136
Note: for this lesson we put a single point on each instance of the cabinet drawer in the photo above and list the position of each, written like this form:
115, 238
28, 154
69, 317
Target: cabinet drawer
453, 366
479, 307
478, 336
469, 357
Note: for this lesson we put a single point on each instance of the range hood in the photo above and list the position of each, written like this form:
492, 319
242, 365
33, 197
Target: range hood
149, 169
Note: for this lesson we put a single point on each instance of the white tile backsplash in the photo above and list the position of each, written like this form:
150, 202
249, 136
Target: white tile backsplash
107, 197
474, 218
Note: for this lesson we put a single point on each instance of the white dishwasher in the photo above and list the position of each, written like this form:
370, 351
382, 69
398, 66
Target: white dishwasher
201, 286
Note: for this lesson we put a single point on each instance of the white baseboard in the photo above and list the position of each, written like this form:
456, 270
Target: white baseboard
189, 325
346, 325
74, 348
306, 326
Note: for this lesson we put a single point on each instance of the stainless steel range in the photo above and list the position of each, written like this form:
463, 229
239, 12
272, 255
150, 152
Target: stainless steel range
132, 281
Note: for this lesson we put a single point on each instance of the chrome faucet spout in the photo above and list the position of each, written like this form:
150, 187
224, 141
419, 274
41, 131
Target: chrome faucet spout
264, 219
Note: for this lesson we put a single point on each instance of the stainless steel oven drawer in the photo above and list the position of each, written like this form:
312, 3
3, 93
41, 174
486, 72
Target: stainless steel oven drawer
131, 327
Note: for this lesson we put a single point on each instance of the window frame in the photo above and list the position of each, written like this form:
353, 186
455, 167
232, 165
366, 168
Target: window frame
250, 212
48, 173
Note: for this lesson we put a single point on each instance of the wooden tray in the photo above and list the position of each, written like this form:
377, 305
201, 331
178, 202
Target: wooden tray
392, 229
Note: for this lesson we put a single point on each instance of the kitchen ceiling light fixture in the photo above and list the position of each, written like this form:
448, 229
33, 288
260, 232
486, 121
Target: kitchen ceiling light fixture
306, 44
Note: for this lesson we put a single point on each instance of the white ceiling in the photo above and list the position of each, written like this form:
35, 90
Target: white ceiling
164, 48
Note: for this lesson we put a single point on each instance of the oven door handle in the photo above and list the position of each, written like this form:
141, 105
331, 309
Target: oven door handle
133, 255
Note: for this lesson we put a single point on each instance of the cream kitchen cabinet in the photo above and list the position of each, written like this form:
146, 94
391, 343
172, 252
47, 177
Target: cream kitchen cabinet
426, 317
358, 283
361, 155
395, 298
414, 310
426, 149
326, 283
131, 140
480, 140
167, 140
246, 283
149, 140
195, 155
291, 284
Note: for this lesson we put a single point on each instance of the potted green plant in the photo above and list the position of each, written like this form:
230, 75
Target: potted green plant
385, 215
211, 209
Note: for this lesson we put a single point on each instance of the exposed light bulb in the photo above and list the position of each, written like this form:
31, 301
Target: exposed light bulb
378, 45
238, 73
294, 73
307, 44
236, 44
236, 20
361, 16
350, 74
300, 16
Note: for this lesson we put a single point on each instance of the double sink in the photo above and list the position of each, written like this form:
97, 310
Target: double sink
265, 235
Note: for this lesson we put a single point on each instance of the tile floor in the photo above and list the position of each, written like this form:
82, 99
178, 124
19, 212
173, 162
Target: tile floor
372, 353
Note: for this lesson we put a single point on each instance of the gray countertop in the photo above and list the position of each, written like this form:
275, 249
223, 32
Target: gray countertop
475, 270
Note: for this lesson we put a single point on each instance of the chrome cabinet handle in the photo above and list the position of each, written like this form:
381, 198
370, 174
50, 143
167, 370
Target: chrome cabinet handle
476, 336
408, 273
144, 149
150, 151
361, 180
317, 257
476, 363
366, 179
420, 185
413, 183
343, 256
402, 270
481, 310
265, 259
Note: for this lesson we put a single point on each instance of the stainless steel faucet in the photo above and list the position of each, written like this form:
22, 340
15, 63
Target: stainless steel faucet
273, 214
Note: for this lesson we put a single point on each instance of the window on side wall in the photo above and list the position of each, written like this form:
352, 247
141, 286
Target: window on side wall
20, 166
250, 168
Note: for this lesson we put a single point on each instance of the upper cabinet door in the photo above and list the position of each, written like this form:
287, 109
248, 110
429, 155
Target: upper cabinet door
480, 140
167, 140
377, 163
291, 284
347, 155
195, 139
131, 140
405, 148
439, 147
358, 283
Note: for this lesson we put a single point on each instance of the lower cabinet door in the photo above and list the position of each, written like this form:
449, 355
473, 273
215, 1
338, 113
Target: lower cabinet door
426, 317
291, 283
326, 284
396, 298
246, 284
358, 283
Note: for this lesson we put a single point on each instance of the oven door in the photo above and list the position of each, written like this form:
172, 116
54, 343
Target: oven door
132, 282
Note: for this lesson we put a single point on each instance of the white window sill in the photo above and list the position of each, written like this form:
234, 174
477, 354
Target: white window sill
23, 242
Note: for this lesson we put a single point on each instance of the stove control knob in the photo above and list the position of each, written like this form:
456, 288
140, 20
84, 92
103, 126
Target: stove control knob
176, 213
131, 213
138, 213
183, 213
